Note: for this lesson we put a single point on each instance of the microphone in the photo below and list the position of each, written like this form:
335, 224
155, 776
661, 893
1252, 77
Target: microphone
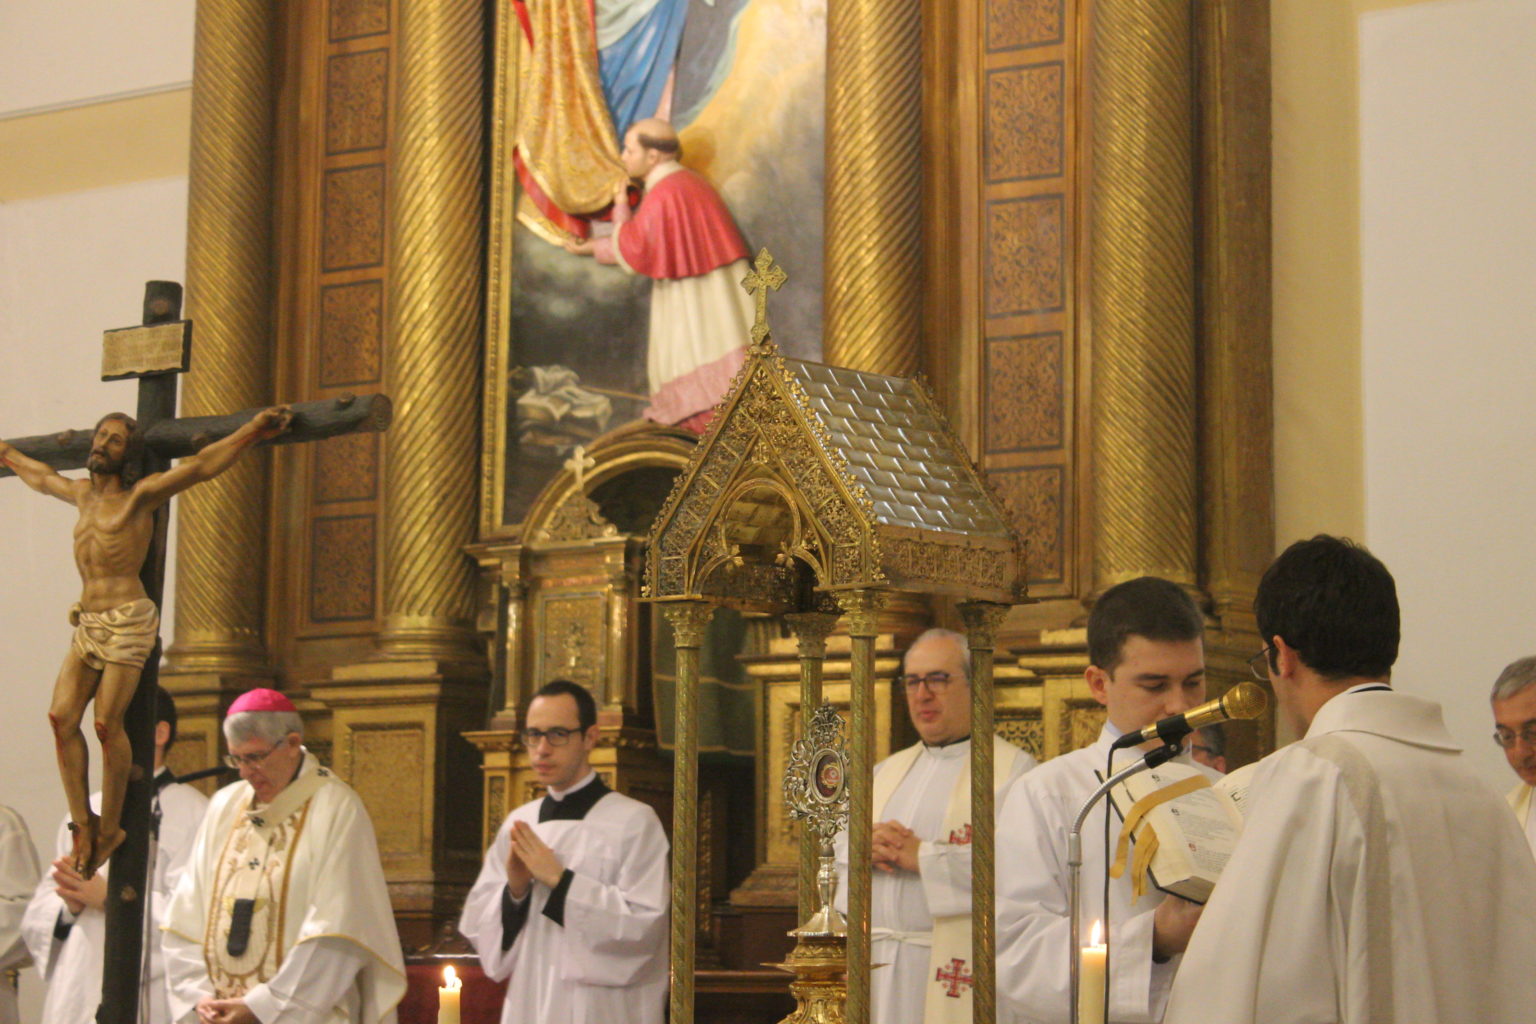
1245, 700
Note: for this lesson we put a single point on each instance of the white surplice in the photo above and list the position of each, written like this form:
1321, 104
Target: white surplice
18, 874
67, 949
605, 962
1520, 801
1377, 880
903, 905
1033, 928
323, 925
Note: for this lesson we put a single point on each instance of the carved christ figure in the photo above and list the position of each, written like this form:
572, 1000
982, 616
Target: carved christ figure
115, 621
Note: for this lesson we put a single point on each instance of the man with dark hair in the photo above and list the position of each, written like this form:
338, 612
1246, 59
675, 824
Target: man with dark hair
571, 904
1514, 719
921, 843
66, 921
1377, 878
1146, 662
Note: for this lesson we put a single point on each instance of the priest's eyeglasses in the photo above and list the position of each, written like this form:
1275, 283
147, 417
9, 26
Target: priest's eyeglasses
1506, 737
557, 737
937, 682
238, 761
1259, 665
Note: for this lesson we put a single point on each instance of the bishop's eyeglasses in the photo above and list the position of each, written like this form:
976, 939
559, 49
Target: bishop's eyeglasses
1506, 737
557, 737
238, 761
937, 682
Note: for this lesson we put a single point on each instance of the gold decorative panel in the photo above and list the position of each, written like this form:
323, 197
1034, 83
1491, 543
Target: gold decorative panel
1014, 24
1025, 255
1024, 401
356, 101
388, 769
1025, 124
341, 568
353, 233
346, 468
1036, 495
573, 632
351, 333
353, 18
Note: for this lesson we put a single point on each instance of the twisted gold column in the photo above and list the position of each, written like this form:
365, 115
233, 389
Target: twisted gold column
1142, 291
222, 524
811, 630
863, 610
435, 319
873, 284
982, 620
689, 620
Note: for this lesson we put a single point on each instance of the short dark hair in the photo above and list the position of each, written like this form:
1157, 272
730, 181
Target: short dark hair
165, 711
133, 451
1336, 604
1149, 607
586, 707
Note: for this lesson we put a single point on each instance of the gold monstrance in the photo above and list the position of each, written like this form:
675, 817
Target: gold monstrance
816, 790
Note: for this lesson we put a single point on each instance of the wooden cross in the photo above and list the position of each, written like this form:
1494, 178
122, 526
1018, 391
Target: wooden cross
955, 976
765, 274
154, 354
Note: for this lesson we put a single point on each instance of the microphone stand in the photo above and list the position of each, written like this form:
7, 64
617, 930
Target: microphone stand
1152, 759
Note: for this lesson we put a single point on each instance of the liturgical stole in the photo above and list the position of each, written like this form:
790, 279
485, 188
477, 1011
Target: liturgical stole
950, 969
243, 942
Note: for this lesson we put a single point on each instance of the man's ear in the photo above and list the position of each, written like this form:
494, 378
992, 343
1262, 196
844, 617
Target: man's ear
1287, 660
591, 736
1098, 683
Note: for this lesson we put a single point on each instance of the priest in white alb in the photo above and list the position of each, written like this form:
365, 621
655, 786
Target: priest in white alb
1146, 662
282, 914
1377, 879
920, 895
570, 908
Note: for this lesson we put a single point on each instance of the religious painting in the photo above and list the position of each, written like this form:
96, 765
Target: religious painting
615, 286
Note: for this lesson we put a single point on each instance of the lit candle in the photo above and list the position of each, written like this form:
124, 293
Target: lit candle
448, 997
1090, 992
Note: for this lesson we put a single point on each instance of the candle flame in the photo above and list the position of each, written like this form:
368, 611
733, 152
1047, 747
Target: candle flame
451, 980
1095, 935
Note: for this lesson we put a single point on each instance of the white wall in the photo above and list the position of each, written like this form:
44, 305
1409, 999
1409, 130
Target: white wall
70, 267
1448, 350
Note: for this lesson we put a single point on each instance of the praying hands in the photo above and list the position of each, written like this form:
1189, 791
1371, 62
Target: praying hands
894, 847
531, 857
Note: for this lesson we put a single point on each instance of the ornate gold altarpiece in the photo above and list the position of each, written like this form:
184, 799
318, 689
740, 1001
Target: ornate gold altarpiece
818, 491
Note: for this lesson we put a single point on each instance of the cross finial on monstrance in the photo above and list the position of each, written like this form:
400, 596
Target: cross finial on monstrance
765, 274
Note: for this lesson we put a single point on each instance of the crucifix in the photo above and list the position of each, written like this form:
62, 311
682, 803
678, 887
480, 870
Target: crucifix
120, 542
765, 274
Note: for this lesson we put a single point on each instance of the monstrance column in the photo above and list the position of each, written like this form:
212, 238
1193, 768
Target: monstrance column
982, 620
811, 630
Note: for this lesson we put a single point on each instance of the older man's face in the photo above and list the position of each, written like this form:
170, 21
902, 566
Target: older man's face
268, 768
938, 694
1512, 717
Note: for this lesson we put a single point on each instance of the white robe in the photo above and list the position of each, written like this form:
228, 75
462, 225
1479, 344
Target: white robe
339, 950
903, 905
72, 966
1520, 801
607, 963
1033, 929
1377, 880
18, 873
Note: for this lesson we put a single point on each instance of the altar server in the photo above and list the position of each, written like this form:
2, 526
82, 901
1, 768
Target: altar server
66, 920
1146, 661
920, 896
18, 873
1377, 878
282, 914
571, 904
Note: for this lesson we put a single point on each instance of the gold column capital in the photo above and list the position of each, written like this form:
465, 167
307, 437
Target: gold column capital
863, 608
982, 620
811, 630
689, 620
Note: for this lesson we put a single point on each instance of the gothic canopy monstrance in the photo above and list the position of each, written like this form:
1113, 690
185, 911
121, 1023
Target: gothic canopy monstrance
819, 489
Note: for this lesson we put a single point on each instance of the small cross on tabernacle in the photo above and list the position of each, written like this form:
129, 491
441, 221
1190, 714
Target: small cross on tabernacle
765, 274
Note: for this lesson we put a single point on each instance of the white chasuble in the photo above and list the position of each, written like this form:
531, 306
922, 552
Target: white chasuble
921, 923
284, 905
18, 874
592, 950
1378, 880
1033, 928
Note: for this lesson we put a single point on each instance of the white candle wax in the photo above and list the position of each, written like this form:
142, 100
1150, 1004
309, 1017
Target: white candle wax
1090, 992
448, 998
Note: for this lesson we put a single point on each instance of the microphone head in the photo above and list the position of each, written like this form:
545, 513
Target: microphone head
1245, 700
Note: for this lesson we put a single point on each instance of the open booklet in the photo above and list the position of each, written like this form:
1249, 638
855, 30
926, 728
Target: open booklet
1187, 823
